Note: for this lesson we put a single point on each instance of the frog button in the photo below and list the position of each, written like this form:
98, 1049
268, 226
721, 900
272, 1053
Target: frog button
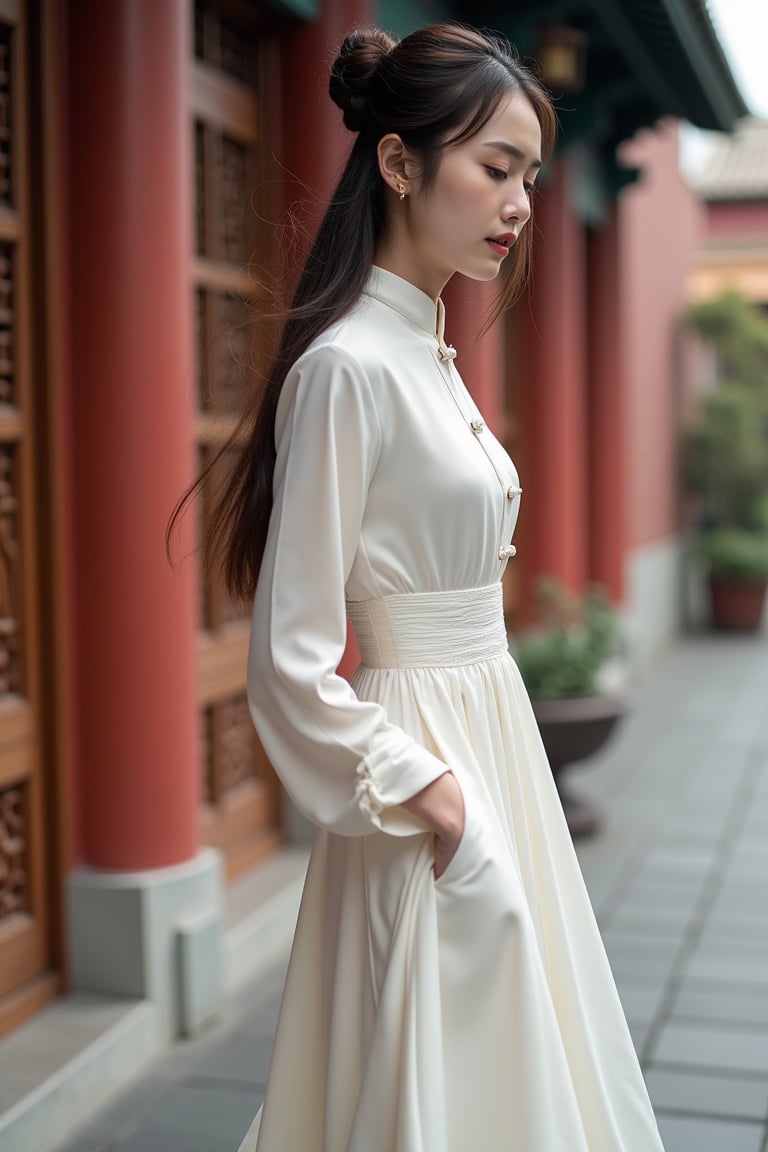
512, 491
506, 551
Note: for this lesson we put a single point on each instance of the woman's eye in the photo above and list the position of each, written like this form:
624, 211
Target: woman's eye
529, 189
496, 173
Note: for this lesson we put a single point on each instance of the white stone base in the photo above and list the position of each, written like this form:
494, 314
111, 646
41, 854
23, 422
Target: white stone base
655, 601
56, 1069
153, 935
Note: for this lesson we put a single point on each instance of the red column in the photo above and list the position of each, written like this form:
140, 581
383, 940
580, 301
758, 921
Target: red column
607, 456
132, 433
554, 520
480, 359
315, 141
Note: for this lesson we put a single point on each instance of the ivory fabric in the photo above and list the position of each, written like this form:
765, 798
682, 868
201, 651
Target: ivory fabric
476, 1012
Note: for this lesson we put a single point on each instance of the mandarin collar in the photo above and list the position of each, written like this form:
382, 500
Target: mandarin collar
405, 298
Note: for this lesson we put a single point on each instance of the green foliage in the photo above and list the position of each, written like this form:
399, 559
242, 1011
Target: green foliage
726, 452
565, 655
727, 456
738, 331
732, 552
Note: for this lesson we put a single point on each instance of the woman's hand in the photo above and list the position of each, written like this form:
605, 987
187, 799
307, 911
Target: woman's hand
441, 806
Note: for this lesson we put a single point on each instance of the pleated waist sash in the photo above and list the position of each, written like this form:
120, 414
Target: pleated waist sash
430, 629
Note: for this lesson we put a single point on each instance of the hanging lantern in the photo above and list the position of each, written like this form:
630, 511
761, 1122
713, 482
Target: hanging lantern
561, 53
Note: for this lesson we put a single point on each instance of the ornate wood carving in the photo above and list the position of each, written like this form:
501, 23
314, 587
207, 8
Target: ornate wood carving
233, 195
231, 354
233, 747
28, 855
13, 851
6, 324
201, 200
206, 755
6, 117
220, 41
9, 561
239, 790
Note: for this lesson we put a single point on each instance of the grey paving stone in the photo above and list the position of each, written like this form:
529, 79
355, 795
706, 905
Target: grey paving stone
148, 1141
709, 1047
131, 1106
745, 925
640, 1031
640, 1001
649, 921
755, 945
741, 970
741, 1098
705, 1003
198, 1118
83, 1143
668, 863
640, 944
264, 1021
244, 1059
741, 900
626, 963
685, 1134
681, 898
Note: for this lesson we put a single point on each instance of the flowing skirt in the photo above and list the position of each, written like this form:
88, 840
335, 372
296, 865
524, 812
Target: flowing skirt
476, 1011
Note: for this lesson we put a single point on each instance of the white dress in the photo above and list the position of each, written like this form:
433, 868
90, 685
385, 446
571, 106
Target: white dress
475, 1013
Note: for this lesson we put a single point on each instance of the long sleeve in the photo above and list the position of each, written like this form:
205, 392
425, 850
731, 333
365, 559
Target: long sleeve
344, 765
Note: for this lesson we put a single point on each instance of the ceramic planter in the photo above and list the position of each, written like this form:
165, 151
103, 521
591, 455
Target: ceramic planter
573, 728
737, 604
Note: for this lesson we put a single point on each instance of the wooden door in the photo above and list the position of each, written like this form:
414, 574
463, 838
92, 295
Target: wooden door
229, 79
25, 937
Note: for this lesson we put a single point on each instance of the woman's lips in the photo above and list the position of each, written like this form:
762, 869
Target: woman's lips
501, 249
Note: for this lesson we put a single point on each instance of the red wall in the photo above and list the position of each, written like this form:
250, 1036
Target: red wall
660, 221
737, 219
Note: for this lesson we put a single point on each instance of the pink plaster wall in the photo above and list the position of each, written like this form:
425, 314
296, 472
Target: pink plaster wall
660, 221
737, 218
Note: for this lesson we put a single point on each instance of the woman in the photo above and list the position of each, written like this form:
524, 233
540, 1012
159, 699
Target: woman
448, 990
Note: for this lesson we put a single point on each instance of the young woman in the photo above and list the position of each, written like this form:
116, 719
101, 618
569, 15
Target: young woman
448, 990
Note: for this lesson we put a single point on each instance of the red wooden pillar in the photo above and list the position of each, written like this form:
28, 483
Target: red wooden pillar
132, 396
554, 517
607, 456
315, 141
480, 359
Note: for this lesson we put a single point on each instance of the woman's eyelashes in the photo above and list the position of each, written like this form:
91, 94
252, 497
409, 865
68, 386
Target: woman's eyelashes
529, 186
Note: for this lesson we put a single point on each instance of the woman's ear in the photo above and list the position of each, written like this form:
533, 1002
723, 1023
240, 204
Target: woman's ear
395, 164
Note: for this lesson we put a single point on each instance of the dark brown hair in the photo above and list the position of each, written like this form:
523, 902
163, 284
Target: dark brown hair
436, 87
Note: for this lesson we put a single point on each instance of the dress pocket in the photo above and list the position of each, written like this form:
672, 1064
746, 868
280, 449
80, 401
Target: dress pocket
456, 865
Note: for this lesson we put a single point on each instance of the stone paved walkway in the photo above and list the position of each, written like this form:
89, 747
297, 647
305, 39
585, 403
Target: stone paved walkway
679, 880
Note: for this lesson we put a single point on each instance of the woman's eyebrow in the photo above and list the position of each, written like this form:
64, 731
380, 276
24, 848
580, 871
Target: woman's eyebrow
511, 150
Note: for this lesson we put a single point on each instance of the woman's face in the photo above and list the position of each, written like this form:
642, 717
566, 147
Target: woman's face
478, 203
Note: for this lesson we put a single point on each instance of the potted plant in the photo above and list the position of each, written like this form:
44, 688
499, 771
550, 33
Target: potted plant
568, 663
726, 462
737, 564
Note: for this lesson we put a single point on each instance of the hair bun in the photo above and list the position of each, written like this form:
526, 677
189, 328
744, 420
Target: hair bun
359, 56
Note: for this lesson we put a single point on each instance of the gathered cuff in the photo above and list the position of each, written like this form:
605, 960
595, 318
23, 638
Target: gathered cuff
392, 772
367, 794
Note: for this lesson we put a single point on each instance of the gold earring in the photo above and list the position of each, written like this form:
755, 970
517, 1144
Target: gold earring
401, 189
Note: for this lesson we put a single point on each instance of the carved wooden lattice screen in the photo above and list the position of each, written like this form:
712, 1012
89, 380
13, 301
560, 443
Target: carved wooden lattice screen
24, 928
241, 796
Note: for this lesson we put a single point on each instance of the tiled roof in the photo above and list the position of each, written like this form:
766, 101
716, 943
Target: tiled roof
736, 167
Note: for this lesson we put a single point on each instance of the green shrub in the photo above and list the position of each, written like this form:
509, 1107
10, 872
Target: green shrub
732, 552
564, 656
726, 451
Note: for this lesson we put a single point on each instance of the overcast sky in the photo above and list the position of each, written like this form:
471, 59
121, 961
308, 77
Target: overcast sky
742, 27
